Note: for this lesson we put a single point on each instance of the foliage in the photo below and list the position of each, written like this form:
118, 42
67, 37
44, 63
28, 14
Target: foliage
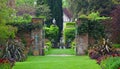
96, 30
103, 47
69, 32
116, 45
23, 23
5, 64
56, 13
73, 45
96, 16
83, 28
25, 18
27, 2
43, 10
79, 7
6, 31
116, 1
115, 24
25, 7
26, 26
92, 24
47, 46
14, 50
52, 33
102, 50
111, 63
65, 4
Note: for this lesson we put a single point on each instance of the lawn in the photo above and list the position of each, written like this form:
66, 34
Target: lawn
61, 52
116, 45
57, 62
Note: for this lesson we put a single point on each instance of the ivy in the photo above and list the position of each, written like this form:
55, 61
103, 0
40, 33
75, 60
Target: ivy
83, 28
26, 26
92, 24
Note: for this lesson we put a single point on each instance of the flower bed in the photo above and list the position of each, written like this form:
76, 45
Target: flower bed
103, 51
6, 64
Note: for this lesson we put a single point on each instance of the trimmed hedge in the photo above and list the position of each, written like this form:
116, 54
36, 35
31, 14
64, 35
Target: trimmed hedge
69, 32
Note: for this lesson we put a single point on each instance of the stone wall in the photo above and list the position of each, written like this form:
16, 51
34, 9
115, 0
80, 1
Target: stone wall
81, 44
81, 40
37, 36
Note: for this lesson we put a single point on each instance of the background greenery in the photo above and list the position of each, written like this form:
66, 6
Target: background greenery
69, 32
111, 63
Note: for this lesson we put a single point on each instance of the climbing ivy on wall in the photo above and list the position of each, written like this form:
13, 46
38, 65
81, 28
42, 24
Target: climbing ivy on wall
92, 24
23, 23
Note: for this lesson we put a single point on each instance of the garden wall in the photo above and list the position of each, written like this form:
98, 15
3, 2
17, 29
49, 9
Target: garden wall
38, 38
81, 44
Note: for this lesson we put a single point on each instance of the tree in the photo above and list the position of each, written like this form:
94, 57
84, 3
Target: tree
43, 10
6, 31
25, 7
115, 24
56, 12
79, 7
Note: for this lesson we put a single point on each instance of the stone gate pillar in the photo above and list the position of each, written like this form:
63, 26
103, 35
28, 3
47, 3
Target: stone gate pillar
81, 40
38, 37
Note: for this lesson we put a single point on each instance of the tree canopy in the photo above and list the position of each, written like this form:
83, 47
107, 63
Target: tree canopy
79, 7
6, 31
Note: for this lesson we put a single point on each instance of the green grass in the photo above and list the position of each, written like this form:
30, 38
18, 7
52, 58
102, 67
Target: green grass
116, 45
57, 62
61, 51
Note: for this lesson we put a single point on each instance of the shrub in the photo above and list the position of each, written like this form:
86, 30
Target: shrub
73, 46
51, 32
111, 63
47, 46
5, 64
93, 54
14, 50
69, 32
